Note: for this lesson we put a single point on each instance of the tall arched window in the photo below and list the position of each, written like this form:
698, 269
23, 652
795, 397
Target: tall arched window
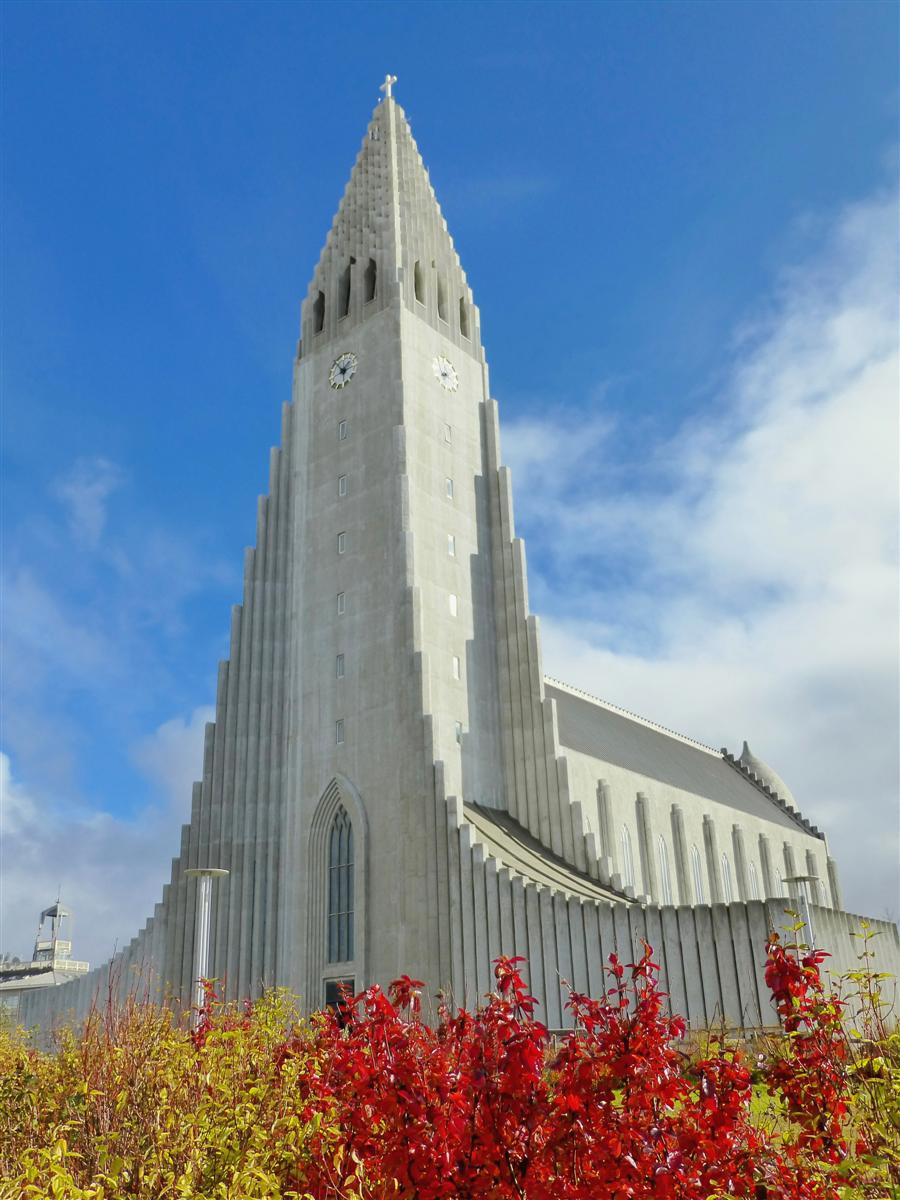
319, 313
340, 888
419, 282
371, 280
344, 286
463, 317
627, 858
665, 878
754, 883
697, 873
727, 884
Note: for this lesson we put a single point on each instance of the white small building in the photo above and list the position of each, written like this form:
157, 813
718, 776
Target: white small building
51, 962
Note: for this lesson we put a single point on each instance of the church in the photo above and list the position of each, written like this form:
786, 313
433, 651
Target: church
391, 782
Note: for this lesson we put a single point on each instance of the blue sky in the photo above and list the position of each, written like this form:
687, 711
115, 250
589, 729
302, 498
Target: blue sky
678, 222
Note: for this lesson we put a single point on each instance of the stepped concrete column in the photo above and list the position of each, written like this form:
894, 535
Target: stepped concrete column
765, 860
681, 862
711, 842
740, 861
834, 886
645, 845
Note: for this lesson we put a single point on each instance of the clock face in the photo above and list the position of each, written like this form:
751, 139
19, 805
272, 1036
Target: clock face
445, 373
342, 370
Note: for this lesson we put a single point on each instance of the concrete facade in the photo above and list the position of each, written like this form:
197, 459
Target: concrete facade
390, 780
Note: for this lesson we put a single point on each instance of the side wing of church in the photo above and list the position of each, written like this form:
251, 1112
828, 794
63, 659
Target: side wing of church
390, 781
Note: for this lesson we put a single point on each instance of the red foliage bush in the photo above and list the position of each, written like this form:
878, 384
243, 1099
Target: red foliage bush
482, 1105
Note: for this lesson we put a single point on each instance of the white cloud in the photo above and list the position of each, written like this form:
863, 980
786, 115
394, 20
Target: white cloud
740, 578
84, 490
172, 754
109, 870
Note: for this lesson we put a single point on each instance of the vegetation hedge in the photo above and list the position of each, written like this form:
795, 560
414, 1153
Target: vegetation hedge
375, 1102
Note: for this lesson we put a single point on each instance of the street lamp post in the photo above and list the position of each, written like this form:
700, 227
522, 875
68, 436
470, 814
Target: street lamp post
205, 876
803, 881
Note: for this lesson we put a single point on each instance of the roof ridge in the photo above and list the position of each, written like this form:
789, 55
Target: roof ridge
771, 794
625, 712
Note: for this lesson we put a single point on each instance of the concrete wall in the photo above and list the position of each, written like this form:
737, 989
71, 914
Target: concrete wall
711, 956
597, 784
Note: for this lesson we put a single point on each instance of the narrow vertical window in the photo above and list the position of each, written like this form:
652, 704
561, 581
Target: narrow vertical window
442, 298
457, 726
463, 317
451, 545
340, 889
727, 883
627, 858
319, 313
456, 666
339, 732
342, 485
453, 602
370, 283
341, 543
419, 282
448, 434
665, 877
448, 485
697, 873
342, 431
341, 603
339, 667
754, 883
344, 289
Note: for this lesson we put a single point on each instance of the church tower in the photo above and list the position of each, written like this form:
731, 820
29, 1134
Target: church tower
388, 589
390, 782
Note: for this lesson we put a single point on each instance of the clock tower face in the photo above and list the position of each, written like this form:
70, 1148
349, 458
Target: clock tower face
342, 370
445, 373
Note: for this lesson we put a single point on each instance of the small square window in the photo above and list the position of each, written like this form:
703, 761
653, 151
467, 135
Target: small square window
342, 485
341, 543
451, 545
449, 487
456, 666
448, 434
339, 667
342, 431
457, 725
339, 732
341, 604
453, 604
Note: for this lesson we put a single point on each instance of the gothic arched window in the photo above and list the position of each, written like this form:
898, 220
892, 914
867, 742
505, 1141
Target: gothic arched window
697, 872
727, 885
627, 858
665, 877
340, 888
754, 883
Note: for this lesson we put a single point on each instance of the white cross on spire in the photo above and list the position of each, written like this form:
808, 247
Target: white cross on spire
389, 81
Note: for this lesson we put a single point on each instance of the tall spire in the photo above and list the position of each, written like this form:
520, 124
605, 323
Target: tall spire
389, 241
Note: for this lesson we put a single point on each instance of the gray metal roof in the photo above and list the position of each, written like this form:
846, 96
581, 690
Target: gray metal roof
614, 737
515, 848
